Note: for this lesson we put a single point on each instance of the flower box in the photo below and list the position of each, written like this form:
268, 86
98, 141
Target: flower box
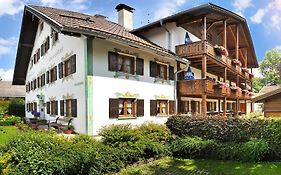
236, 62
228, 62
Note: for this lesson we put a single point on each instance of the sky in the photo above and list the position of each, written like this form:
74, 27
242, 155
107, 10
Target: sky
263, 17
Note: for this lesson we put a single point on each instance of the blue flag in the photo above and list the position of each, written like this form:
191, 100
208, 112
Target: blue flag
187, 39
189, 74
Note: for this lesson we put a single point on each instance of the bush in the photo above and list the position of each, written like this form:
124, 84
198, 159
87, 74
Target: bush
192, 147
254, 150
9, 121
119, 135
4, 106
227, 151
154, 132
17, 107
45, 153
229, 129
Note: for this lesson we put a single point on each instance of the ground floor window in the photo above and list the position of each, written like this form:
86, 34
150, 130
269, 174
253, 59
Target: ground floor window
126, 107
161, 107
195, 106
211, 106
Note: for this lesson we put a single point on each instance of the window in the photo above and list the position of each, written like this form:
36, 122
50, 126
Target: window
211, 106
67, 67
195, 107
48, 108
126, 107
71, 108
42, 80
125, 63
54, 36
34, 106
161, 71
54, 108
161, 107
184, 107
39, 82
53, 74
45, 46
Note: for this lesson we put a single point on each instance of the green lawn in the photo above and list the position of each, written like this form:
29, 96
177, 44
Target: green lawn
6, 133
170, 166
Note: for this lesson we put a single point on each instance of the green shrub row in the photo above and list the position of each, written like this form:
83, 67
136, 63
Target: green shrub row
195, 147
231, 129
14, 106
47, 153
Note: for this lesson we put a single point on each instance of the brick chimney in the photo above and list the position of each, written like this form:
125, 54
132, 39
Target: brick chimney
125, 16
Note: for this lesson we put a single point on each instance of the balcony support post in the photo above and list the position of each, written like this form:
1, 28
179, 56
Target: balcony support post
204, 66
252, 105
237, 99
224, 99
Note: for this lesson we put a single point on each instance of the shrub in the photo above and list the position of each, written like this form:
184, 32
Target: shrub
4, 106
254, 150
154, 132
192, 147
9, 121
119, 135
17, 107
227, 151
272, 132
222, 129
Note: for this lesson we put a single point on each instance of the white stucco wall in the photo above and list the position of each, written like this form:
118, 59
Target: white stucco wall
105, 85
72, 85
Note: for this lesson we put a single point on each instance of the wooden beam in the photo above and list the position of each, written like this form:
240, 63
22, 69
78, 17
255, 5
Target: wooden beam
26, 45
237, 43
246, 58
224, 34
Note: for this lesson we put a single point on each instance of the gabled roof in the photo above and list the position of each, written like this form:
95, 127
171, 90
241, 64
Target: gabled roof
71, 23
267, 95
267, 89
205, 10
8, 90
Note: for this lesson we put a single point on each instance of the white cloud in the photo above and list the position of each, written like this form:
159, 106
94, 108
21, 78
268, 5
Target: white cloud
278, 47
75, 5
11, 7
6, 45
6, 75
241, 5
258, 16
271, 15
168, 8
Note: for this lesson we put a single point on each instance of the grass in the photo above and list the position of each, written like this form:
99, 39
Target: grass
170, 166
6, 133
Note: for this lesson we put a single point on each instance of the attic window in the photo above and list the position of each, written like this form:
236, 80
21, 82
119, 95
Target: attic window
86, 18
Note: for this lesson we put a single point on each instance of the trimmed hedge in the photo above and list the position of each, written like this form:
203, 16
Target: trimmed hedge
9, 121
229, 129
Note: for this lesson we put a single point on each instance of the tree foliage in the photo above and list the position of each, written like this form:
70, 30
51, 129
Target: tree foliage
269, 67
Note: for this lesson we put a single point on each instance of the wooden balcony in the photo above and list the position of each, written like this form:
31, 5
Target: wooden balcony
215, 63
214, 90
195, 87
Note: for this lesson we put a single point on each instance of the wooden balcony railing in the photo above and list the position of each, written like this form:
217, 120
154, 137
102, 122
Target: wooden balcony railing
195, 87
197, 48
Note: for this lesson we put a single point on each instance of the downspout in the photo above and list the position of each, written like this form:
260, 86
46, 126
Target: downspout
169, 34
187, 62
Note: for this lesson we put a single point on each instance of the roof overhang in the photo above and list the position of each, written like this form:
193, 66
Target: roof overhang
198, 13
263, 97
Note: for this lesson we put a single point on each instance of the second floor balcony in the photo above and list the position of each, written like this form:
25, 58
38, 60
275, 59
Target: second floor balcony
213, 89
215, 62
